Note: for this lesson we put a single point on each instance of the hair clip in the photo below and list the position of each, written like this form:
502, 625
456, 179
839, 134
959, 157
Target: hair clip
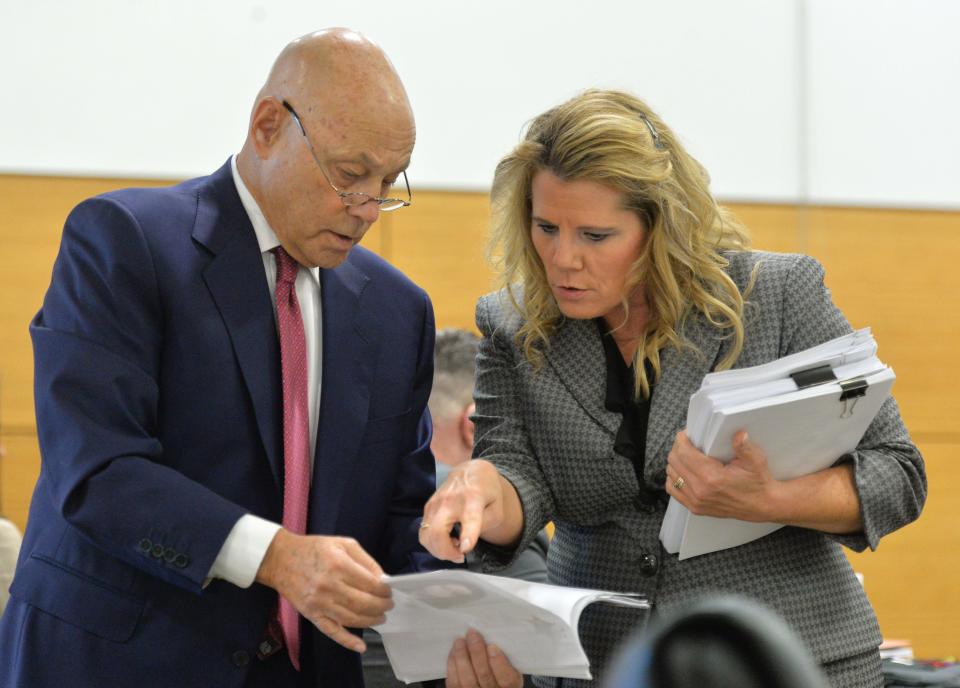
657, 143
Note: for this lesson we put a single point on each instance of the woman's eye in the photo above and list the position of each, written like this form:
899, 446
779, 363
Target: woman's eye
547, 229
595, 236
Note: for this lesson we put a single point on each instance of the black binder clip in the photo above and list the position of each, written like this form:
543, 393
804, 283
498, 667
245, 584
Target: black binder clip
813, 376
853, 389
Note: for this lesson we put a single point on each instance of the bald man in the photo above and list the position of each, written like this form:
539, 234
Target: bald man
231, 406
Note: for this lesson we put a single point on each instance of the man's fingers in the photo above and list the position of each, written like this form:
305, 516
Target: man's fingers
453, 679
461, 656
477, 649
339, 634
343, 596
361, 571
504, 673
350, 616
360, 555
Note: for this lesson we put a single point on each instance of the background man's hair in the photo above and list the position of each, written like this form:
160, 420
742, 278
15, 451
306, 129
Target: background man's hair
455, 363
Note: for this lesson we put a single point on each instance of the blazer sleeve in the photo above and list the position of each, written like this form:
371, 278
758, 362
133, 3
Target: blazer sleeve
888, 468
501, 436
97, 346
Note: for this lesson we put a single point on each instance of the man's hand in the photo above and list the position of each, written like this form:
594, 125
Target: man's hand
332, 581
473, 663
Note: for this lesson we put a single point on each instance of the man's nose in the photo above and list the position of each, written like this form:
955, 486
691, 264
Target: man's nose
368, 212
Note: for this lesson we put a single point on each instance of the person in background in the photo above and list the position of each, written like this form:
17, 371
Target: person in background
9, 550
624, 283
220, 490
451, 398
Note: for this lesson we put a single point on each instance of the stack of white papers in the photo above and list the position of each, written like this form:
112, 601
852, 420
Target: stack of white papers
802, 426
535, 624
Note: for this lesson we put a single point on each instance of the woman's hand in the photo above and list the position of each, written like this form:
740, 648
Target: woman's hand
475, 497
473, 663
742, 489
745, 489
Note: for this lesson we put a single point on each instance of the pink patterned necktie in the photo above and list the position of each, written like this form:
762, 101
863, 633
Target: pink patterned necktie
296, 427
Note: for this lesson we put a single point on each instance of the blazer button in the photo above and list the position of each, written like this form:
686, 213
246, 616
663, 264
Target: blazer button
649, 564
169, 555
182, 561
144, 546
157, 551
240, 658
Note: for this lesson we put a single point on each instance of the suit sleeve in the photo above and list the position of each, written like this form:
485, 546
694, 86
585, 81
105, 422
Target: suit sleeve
889, 472
501, 436
98, 348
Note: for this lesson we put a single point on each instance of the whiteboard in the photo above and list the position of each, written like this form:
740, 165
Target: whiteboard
884, 109
164, 89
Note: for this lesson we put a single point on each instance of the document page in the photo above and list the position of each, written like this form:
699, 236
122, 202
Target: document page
802, 428
535, 624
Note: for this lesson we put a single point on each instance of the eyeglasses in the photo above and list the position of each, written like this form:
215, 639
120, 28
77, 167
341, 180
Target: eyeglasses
351, 198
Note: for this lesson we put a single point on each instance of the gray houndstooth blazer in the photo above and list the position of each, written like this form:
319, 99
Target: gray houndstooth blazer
550, 435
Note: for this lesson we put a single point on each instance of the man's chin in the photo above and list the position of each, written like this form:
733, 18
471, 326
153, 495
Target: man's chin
331, 259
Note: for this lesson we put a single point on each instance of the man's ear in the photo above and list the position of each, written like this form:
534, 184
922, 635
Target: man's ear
466, 425
266, 123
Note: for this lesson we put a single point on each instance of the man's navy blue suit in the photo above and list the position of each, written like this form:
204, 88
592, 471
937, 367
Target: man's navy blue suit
159, 417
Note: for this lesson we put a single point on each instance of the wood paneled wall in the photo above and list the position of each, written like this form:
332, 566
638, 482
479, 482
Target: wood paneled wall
896, 271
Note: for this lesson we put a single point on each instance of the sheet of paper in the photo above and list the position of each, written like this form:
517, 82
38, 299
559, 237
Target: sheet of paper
533, 623
802, 430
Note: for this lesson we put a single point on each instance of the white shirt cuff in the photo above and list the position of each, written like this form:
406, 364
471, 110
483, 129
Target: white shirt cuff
243, 550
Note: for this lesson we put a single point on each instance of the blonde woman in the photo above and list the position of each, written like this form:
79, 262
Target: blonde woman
624, 284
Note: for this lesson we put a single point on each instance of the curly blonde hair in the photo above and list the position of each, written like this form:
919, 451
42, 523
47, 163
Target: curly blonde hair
613, 138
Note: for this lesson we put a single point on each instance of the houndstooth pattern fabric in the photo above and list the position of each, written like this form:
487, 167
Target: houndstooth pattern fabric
550, 435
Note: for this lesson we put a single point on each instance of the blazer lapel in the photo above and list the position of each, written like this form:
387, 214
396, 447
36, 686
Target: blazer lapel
238, 286
576, 355
349, 355
682, 372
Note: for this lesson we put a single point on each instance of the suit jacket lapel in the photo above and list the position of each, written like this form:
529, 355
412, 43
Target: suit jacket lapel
682, 372
238, 286
576, 355
349, 357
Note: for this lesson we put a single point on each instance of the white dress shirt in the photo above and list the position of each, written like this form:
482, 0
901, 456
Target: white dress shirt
9, 549
245, 546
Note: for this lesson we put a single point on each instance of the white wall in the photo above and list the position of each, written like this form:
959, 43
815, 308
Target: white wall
850, 101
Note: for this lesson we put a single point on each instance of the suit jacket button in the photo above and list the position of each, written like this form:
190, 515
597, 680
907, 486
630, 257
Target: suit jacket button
240, 658
649, 564
169, 555
182, 561
144, 546
157, 551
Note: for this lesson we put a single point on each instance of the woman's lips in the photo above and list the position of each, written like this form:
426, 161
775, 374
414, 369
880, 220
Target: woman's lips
570, 293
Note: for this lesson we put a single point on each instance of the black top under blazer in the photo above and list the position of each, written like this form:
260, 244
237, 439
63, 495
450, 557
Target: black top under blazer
550, 434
